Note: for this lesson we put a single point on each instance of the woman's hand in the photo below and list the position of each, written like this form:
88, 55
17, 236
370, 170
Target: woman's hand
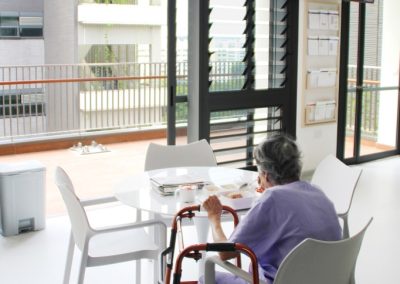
213, 207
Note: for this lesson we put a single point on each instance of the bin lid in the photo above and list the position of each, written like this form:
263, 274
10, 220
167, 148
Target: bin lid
19, 167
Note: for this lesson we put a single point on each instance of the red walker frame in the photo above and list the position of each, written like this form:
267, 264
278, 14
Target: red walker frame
194, 251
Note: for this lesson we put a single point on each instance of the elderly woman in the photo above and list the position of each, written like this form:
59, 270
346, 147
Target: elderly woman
288, 211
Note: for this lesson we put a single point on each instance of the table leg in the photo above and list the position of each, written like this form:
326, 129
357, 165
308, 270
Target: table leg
159, 236
202, 228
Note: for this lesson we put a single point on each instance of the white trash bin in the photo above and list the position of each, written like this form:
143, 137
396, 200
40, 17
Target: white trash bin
22, 197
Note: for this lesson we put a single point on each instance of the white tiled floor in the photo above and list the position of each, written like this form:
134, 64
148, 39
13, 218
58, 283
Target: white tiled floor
39, 257
378, 195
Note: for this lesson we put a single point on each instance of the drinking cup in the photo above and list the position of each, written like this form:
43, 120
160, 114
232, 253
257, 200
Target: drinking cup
186, 193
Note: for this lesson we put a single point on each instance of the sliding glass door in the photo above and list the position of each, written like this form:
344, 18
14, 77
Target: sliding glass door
369, 87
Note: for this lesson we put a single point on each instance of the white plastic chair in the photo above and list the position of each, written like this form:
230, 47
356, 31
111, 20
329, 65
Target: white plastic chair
196, 154
106, 245
338, 181
311, 262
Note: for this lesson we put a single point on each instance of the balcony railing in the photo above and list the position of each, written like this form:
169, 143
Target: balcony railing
37, 102
370, 102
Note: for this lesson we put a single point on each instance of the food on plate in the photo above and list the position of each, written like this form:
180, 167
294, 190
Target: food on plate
229, 186
238, 200
211, 188
187, 187
260, 189
234, 195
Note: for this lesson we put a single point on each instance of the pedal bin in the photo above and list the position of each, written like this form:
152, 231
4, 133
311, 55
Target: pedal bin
22, 197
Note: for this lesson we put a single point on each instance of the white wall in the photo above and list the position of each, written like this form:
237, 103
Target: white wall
21, 52
22, 5
61, 41
60, 32
315, 141
121, 14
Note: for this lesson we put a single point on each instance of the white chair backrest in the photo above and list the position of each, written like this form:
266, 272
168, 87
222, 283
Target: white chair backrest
316, 262
196, 154
337, 181
79, 223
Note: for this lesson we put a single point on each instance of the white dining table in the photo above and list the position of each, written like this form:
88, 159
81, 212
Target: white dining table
137, 191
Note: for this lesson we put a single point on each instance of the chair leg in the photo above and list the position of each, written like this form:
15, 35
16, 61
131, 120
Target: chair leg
138, 215
83, 265
137, 262
209, 273
352, 276
157, 269
70, 255
138, 271
346, 233
159, 234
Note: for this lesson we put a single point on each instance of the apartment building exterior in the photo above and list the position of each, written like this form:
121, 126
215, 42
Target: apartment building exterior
53, 40
21, 32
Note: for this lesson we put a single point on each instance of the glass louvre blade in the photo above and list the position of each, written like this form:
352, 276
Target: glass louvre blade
31, 31
9, 19
226, 45
278, 52
30, 21
8, 32
270, 44
247, 34
234, 133
262, 41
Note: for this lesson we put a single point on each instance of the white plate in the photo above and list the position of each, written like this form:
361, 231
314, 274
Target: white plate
213, 189
244, 202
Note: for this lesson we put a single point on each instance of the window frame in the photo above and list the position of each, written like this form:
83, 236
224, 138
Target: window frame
20, 27
204, 102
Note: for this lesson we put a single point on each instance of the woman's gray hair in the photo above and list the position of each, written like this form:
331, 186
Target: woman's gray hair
280, 157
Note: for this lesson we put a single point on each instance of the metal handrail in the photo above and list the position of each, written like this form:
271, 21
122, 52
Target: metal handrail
118, 96
77, 80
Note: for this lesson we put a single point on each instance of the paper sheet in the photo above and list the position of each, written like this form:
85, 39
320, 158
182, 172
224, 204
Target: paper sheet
313, 19
312, 45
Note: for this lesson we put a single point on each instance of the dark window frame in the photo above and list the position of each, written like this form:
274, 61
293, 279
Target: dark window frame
19, 34
343, 90
248, 97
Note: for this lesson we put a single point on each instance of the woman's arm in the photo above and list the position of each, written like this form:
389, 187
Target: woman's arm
214, 209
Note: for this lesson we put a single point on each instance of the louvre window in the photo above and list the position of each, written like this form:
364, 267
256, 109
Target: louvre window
252, 47
21, 102
21, 25
8, 24
248, 41
233, 134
